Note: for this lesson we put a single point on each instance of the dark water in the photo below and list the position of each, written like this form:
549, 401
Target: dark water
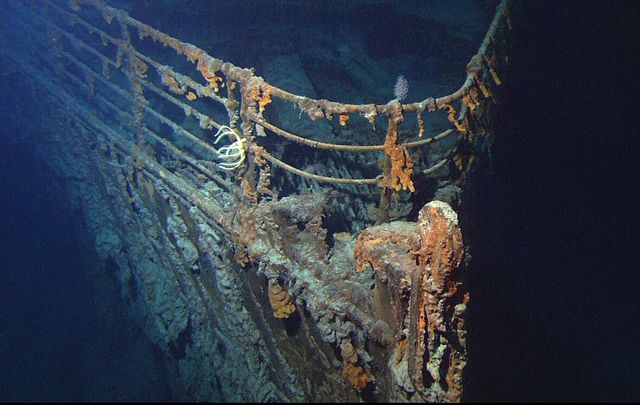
556, 277
555, 313
64, 333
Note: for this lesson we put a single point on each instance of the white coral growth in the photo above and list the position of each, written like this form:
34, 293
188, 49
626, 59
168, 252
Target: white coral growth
401, 89
232, 155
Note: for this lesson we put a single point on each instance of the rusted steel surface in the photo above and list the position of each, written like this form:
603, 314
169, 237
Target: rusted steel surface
420, 292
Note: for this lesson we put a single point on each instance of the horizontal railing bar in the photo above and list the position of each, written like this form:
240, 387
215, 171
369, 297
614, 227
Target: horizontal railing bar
203, 118
342, 147
166, 143
311, 142
88, 26
177, 184
267, 156
181, 78
206, 204
260, 151
235, 73
192, 111
165, 120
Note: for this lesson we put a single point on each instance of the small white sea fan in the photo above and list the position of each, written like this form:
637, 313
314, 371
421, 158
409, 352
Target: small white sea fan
401, 89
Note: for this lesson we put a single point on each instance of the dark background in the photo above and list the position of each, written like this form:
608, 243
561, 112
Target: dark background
64, 331
555, 285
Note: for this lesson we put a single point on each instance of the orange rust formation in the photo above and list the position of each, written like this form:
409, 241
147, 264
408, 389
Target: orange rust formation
215, 82
401, 170
171, 82
377, 245
198, 56
262, 97
280, 301
357, 376
437, 332
451, 115
422, 263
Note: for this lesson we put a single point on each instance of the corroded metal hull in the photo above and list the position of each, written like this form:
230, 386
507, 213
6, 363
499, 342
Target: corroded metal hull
255, 292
